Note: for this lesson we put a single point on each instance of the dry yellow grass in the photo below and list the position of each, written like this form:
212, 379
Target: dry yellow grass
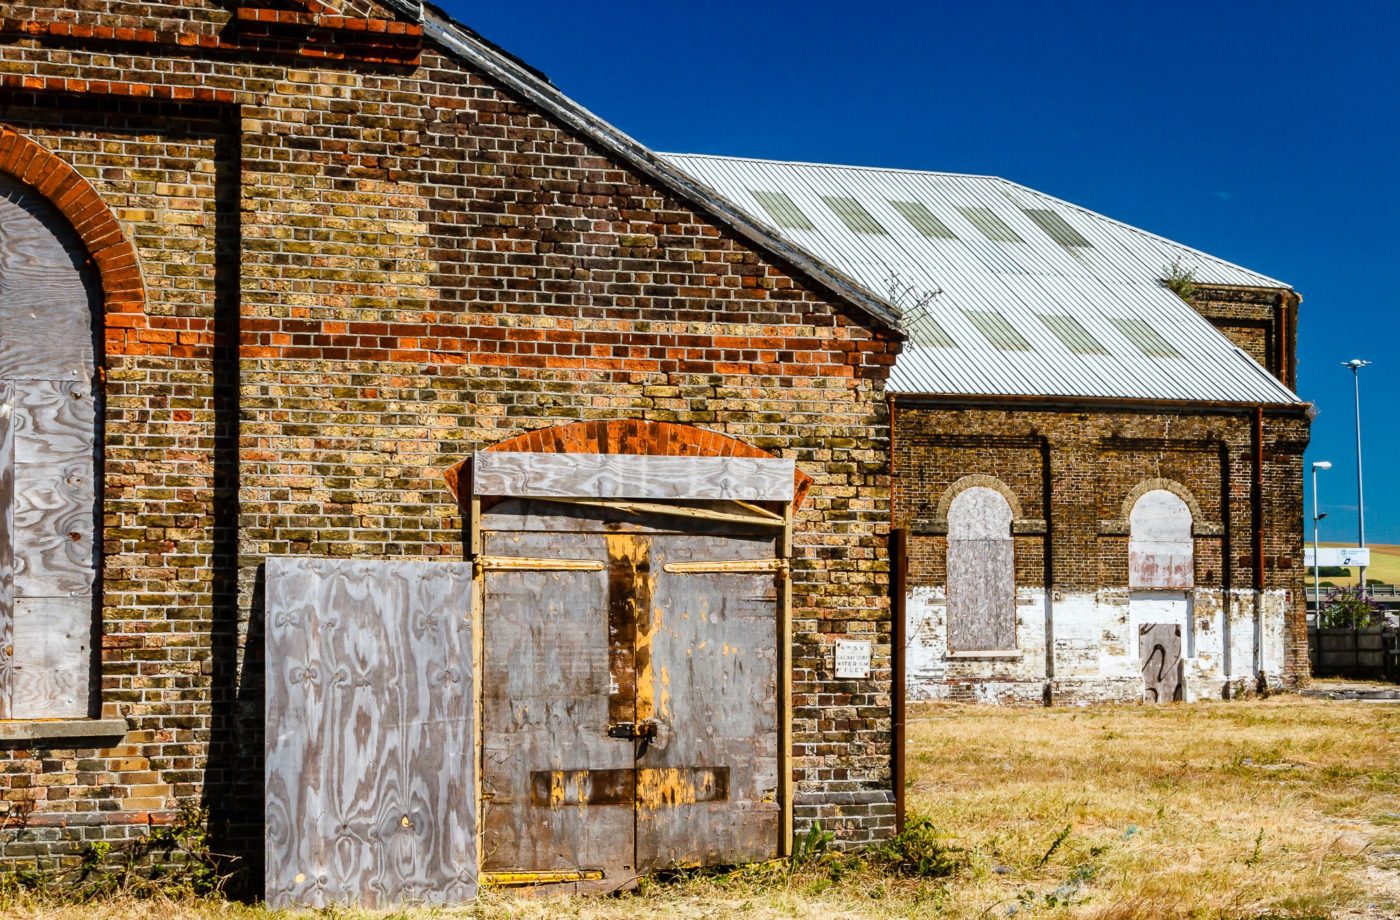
1283, 808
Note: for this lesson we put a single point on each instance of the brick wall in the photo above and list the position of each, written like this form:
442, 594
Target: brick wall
1071, 472
355, 274
1262, 321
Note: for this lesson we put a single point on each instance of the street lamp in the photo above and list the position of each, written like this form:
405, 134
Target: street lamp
1356, 364
1317, 562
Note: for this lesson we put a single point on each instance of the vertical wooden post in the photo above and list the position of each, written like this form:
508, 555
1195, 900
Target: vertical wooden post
785, 793
899, 585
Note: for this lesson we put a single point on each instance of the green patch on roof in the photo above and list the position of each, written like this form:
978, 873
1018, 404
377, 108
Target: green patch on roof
926, 331
991, 226
854, 215
998, 330
1148, 340
1056, 227
923, 220
1072, 333
782, 209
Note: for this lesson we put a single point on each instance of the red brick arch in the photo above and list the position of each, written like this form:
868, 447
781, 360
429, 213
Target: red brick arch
111, 252
628, 436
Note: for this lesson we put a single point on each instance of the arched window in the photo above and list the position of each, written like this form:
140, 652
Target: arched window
48, 460
1160, 546
981, 573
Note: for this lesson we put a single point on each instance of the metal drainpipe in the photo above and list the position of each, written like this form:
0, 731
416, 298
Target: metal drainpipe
899, 545
1227, 561
899, 589
1047, 511
1258, 496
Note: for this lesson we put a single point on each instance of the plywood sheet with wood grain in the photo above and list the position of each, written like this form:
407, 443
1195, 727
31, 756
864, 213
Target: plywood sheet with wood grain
46, 328
7, 581
981, 573
707, 674
551, 686
52, 661
370, 786
54, 492
639, 476
1159, 646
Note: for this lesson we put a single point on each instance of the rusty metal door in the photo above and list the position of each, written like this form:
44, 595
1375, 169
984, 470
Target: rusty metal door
630, 717
707, 791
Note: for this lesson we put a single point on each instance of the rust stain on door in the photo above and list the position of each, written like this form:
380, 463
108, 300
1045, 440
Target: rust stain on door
628, 593
647, 787
663, 786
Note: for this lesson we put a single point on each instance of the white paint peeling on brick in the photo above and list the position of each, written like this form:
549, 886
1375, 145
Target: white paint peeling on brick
1096, 655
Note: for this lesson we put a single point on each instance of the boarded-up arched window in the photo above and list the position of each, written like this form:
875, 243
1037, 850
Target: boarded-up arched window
48, 460
981, 573
1160, 547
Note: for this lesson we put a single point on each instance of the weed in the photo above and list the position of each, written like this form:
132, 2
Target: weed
1059, 840
1258, 847
1180, 280
920, 851
168, 861
811, 847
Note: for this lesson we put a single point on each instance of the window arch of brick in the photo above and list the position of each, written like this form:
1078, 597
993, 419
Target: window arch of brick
977, 480
1165, 485
627, 436
112, 254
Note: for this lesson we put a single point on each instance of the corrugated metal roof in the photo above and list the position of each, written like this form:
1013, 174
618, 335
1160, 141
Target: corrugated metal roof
1060, 278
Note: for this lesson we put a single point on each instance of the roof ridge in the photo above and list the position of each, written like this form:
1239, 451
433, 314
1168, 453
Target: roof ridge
1141, 232
851, 166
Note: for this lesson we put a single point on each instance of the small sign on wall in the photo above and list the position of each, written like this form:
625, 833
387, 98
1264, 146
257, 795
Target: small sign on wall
852, 658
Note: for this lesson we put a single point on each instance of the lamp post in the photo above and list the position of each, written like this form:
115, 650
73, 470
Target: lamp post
1356, 364
1317, 561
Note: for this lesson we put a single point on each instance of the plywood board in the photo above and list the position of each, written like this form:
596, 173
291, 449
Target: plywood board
54, 493
45, 301
981, 573
537, 475
52, 662
7, 581
707, 656
1159, 645
370, 795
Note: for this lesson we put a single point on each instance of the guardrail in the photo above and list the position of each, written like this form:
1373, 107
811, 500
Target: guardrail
1376, 591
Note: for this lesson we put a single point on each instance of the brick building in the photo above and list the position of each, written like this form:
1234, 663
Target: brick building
337, 298
1095, 436
293, 265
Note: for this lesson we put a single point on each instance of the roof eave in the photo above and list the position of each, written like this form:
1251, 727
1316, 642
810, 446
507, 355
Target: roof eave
1099, 402
519, 79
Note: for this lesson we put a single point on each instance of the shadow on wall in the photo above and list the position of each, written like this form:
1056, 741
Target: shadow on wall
233, 787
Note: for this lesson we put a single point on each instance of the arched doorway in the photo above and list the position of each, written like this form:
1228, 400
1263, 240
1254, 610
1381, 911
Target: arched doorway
1161, 575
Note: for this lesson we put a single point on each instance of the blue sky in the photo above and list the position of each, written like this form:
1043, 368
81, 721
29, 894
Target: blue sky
1267, 133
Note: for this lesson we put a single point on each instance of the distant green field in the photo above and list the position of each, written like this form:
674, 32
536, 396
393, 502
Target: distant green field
1385, 565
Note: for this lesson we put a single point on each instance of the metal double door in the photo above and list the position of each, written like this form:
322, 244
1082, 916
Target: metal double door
630, 693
